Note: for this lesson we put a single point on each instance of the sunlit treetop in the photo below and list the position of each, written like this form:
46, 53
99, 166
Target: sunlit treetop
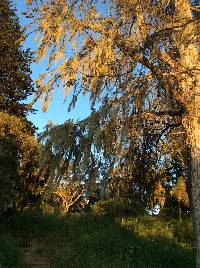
110, 47
179, 191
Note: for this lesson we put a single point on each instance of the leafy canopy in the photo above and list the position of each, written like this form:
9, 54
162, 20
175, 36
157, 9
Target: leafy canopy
15, 80
112, 48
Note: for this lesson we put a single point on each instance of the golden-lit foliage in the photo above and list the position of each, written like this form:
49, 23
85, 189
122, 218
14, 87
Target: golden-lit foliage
126, 54
68, 196
100, 44
137, 58
29, 2
158, 197
179, 192
20, 128
120, 184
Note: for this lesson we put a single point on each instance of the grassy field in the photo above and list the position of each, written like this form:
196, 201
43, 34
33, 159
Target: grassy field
89, 241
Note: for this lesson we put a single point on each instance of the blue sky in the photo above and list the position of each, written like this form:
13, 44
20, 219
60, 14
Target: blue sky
57, 111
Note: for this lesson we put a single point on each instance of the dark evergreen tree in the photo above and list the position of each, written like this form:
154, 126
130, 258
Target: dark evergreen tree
19, 151
15, 80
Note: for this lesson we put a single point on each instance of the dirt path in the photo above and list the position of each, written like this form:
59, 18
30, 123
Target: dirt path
31, 256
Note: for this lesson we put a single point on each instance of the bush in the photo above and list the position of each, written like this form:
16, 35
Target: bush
149, 227
113, 208
183, 232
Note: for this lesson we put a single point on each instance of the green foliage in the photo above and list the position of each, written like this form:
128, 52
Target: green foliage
89, 152
15, 81
183, 232
179, 192
149, 227
114, 208
171, 209
153, 227
19, 150
9, 176
19, 155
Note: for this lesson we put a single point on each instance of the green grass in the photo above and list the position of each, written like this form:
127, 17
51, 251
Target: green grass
86, 241
10, 255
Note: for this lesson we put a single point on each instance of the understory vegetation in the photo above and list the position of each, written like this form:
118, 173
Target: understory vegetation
89, 240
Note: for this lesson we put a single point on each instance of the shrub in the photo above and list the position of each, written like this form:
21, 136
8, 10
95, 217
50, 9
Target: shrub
113, 208
183, 232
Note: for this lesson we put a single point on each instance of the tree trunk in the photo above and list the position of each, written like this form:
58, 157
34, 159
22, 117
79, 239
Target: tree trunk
179, 212
196, 191
189, 80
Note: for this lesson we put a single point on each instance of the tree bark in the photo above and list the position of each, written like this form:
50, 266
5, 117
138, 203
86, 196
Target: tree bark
189, 79
179, 212
196, 191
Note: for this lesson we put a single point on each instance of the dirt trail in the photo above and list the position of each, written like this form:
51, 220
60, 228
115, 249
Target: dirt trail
31, 256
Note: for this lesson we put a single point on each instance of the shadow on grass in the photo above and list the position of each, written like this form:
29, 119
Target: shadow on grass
93, 241
10, 254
